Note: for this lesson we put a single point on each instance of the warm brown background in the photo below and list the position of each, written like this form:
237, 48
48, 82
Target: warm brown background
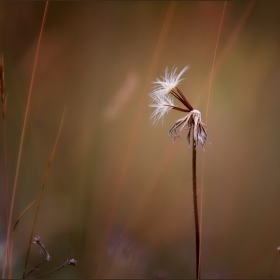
114, 172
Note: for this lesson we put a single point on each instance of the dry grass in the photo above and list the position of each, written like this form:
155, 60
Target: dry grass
117, 192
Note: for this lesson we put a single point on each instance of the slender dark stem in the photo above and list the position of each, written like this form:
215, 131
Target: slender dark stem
48, 257
5, 168
186, 102
56, 269
6, 187
35, 268
13, 238
21, 145
41, 193
3, 98
195, 207
68, 262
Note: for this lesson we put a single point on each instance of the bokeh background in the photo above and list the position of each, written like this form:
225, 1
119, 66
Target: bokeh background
118, 198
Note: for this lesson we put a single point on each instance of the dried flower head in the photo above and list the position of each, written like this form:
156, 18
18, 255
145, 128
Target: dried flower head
36, 240
73, 262
163, 95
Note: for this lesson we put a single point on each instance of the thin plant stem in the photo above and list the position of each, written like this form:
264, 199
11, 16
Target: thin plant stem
35, 267
42, 189
6, 256
206, 118
56, 269
68, 262
48, 257
5, 169
4, 101
21, 141
214, 60
13, 234
195, 208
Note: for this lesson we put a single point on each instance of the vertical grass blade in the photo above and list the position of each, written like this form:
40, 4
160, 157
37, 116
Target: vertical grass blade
41, 193
12, 241
206, 117
21, 141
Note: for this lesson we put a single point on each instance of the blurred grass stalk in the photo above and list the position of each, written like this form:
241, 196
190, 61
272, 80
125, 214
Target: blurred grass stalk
12, 241
6, 257
41, 193
4, 100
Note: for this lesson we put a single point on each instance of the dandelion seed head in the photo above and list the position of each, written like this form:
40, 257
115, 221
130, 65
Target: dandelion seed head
162, 101
162, 97
168, 82
162, 104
